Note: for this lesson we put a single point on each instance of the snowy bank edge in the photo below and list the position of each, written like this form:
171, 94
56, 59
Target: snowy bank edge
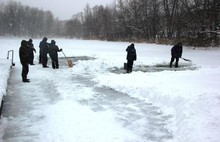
5, 66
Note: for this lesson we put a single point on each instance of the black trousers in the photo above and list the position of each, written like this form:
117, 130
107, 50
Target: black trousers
173, 58
31, 58
25, 70
130, 65
55, 63
44, 60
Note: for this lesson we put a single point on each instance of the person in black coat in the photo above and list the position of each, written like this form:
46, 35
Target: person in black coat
53, 49
176, 53
31, 51
131, 57
44, 49
23, 54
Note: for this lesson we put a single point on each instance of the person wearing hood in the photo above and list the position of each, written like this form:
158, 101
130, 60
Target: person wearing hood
43, 52
23, 54
31, 51
53, 52
131, 57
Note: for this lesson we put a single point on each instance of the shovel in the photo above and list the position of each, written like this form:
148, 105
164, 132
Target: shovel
70, 63
188, 60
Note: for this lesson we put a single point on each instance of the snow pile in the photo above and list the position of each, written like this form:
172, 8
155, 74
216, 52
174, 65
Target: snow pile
4, 75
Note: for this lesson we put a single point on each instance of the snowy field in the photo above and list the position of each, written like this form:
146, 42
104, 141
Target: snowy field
96, 101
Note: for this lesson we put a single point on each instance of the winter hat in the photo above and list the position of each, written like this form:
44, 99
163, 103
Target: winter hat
53, 41
23, 42
45, 39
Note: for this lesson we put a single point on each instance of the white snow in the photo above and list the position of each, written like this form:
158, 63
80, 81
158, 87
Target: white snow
64, 105
4, 75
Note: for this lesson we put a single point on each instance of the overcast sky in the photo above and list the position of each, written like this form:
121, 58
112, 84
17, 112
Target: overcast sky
63, 9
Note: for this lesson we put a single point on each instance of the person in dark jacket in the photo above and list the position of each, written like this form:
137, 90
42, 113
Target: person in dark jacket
31, 51
44, 49
23, 54
176, 53
53, 49
131, 57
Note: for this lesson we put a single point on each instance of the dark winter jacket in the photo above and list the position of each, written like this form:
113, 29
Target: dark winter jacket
23, 52
43, 47
177, 50
31, 48
131, 52
53, 49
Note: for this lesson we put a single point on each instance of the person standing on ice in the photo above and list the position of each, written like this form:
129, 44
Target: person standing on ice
176, 53
53, 49
23, 54
31, 51
43, 52
131, 57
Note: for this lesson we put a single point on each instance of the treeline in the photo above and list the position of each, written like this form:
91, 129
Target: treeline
19, 20
194, 22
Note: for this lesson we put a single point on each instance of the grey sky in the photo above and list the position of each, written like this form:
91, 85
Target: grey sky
63, 9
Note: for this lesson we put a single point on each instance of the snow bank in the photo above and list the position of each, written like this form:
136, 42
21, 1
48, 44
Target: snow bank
192, 97
5, 66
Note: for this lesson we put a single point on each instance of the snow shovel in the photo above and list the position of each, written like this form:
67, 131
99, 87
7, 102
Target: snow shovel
70, 63
188, 60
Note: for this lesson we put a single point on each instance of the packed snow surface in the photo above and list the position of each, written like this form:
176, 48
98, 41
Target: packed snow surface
96, 100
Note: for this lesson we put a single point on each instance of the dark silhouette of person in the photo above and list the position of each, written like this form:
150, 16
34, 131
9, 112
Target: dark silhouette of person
23, 54
31, 51
53, 49
131, 57
43, 52
176, 53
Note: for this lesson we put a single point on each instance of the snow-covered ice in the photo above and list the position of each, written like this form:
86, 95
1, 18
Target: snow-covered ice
97, 101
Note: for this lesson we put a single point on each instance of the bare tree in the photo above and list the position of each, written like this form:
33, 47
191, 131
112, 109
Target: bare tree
19, 20
73, 28
170, 10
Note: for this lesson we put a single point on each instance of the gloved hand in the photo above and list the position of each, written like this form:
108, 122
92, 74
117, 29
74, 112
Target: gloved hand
61, 49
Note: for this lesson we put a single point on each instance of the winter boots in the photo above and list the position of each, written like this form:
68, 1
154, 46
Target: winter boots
176, 64
25, 80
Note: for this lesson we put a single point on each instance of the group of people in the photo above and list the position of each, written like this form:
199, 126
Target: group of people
49, 48
176, 53
26, 54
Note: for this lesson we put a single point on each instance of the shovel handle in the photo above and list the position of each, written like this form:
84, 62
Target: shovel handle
64, 54
186, 59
